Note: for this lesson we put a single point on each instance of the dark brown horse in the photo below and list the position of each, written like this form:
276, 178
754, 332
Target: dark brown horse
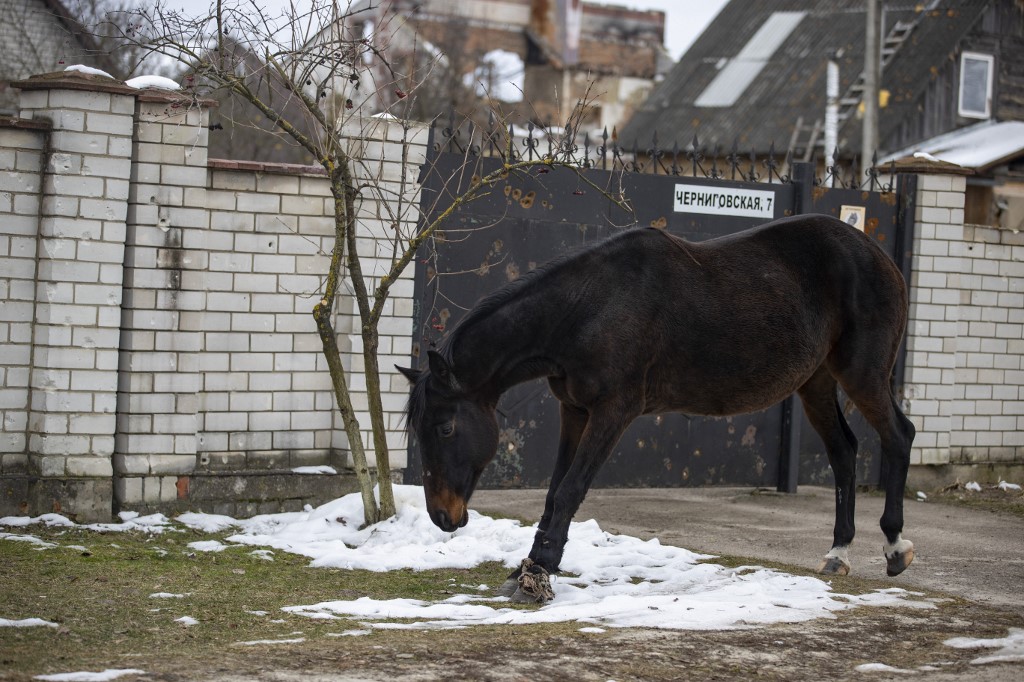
645, 323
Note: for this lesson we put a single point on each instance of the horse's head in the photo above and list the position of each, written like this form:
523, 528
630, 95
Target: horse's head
458, 436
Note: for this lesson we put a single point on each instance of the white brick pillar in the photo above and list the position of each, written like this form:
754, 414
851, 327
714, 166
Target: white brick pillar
931, 378
159, 386
77, 318
21, 175
388, 154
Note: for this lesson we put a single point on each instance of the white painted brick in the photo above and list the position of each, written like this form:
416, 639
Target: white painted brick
940, 183
183, 175
273, 263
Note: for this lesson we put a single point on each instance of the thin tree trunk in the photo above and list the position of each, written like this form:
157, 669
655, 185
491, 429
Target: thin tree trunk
368, 332
322, 313
380, 444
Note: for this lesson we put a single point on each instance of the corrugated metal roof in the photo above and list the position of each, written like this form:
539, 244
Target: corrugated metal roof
978, 147
791, 84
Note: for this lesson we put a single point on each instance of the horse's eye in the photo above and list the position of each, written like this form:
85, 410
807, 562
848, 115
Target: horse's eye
446, 429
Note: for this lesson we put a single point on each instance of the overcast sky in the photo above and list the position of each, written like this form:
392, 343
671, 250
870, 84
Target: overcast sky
684, 19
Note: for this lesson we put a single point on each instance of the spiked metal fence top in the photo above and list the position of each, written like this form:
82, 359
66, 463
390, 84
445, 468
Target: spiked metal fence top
606, 153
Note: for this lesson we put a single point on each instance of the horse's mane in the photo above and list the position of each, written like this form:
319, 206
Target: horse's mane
416, 406
501, 296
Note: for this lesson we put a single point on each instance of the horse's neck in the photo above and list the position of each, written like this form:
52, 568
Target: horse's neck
504, 347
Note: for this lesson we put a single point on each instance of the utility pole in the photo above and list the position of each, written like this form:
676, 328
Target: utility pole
872, 56
831, 138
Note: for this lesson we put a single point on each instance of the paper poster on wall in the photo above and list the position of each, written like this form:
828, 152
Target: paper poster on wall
853, 215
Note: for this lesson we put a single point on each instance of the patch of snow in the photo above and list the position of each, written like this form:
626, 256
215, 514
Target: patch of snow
1010, 648
350, 633
264, 554
152, 523
322, 469
921, 496
973, 487
1003, 485
208, 546
927, 157
128, 515
82, 68
26, 623
45, 519
208, 523
31, 539
610, 580
258, 642
258, 613
882, 668
595, 631
187, 621
168, 595
108, 674
152, 82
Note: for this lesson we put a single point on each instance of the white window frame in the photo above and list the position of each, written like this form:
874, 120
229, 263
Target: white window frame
976, 113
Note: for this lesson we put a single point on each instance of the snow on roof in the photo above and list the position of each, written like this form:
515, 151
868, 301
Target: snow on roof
152, 82
979, 146
82, 68
138, 83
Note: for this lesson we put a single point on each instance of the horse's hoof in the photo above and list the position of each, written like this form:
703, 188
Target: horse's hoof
508, 588
833, 565
898, 556
521, 597
534, 584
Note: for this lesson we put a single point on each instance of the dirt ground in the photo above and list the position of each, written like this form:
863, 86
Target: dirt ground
970, 562
820, 649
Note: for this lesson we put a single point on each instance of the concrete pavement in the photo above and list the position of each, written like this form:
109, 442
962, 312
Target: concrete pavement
972, 553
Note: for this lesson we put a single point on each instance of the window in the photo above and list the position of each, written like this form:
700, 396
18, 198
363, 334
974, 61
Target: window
975, 85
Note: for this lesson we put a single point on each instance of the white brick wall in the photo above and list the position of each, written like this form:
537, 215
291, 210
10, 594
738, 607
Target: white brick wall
157, 416
964, 379
988, 402
21, 166
263, 376
932, 329
81, 231
170, 302
381, 146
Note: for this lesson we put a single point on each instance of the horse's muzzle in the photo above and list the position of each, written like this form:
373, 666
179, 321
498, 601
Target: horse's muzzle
443, 520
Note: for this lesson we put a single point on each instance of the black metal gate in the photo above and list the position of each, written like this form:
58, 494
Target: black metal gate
529, 217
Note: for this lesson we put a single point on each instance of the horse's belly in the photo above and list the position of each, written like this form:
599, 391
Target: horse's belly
718, 394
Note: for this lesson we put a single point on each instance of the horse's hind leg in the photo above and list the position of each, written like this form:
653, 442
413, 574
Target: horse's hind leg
820, 403
875, 401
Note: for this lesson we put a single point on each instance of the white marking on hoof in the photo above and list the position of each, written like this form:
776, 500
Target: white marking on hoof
836, 562
898, 555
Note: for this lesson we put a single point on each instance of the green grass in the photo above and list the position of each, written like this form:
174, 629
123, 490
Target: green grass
101, 598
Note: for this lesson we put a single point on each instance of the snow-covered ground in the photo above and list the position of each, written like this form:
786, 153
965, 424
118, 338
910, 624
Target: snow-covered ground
609, 581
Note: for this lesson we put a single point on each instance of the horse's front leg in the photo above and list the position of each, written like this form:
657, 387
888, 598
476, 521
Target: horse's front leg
573, 421
602, 431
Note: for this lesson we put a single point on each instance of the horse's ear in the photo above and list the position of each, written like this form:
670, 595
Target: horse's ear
409, 373
440, 368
